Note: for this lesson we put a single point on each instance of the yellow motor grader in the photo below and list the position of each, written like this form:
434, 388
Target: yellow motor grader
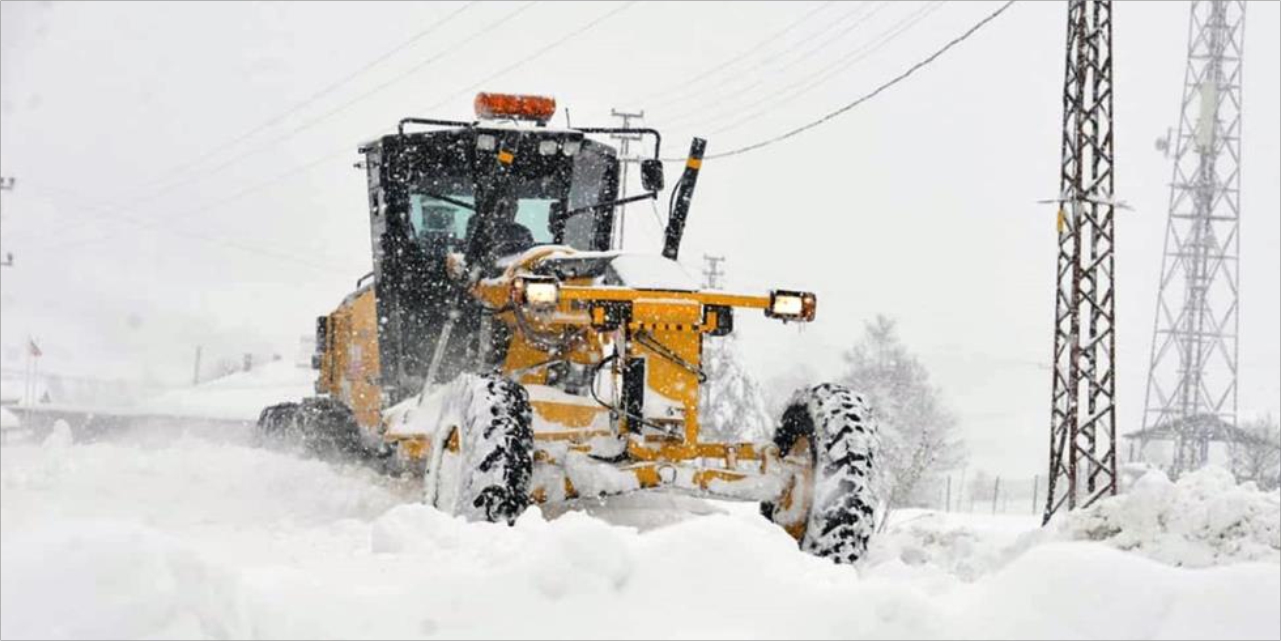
504, 353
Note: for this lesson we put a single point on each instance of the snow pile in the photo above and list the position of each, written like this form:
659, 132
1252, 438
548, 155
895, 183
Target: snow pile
1204, 519
197, 539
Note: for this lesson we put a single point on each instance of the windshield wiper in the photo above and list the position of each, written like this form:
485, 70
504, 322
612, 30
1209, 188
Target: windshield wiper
621, 201
447, 199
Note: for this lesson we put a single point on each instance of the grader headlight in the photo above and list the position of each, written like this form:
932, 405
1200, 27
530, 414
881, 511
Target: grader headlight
537, 292
791, 306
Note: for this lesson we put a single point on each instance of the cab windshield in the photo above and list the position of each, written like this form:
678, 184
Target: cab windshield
528, 203
448, 223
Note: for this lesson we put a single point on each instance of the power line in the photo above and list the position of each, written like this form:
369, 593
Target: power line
120, 216
523, 60
204, 175
328, 89
346, 148
766, 58
827, 73
862, 99
758, 78
208, 206
677, 90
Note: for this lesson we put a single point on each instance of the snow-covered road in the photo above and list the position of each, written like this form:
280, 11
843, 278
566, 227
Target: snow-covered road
162, 535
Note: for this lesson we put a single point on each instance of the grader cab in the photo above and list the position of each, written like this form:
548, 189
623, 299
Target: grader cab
502, 351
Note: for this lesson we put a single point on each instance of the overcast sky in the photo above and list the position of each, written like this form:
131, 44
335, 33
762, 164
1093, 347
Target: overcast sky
169, 194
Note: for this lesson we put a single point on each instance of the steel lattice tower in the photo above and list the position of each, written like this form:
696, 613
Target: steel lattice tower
1191, 394
1083, 417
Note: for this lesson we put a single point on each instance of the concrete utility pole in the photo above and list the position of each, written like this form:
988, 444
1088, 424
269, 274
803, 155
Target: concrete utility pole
712, 272
1191, 396
1083, 398
195, 371
6, 184
626, 159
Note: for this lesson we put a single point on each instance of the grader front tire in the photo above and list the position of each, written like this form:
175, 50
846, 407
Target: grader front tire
495, 452
830, 433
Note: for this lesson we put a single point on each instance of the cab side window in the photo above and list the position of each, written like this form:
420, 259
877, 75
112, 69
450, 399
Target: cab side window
438, 222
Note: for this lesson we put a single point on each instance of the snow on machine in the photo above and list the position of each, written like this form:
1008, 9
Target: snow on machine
501, 350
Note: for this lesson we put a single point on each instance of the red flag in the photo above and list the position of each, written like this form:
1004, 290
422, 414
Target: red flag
33, 349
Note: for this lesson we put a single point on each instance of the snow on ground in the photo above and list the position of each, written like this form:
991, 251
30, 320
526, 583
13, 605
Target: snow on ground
153, 535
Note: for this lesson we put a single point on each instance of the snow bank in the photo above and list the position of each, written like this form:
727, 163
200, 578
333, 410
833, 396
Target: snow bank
1202, 520
202, 539
1091, 591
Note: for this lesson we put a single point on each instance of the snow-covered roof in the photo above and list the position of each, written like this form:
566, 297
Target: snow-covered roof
239, 396
651, 271
8, 420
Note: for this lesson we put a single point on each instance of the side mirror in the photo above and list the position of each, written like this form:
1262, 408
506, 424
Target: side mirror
652, 174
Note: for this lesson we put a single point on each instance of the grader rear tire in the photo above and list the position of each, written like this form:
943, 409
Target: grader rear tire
324, 427
329, 429
831, 433
277, 421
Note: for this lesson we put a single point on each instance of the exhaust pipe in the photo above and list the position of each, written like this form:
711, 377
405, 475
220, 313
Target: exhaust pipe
684, 193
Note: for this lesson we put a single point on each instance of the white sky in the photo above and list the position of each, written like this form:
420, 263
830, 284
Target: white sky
919, 204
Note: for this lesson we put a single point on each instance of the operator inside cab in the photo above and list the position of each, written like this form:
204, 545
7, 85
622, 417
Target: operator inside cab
507, 236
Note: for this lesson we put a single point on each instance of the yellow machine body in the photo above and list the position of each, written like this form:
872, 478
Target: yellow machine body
666, 452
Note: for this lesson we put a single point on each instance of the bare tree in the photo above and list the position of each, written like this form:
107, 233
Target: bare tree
783, 383
919, 440
1256, 453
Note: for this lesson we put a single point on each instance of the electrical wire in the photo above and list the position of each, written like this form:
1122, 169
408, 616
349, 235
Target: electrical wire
345, 149
678, 90
733, 152
253, 151
745, 105
314, 262
725, 101
767, 58
524, 60
827, 73
298, 170
860, 100
326, 90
